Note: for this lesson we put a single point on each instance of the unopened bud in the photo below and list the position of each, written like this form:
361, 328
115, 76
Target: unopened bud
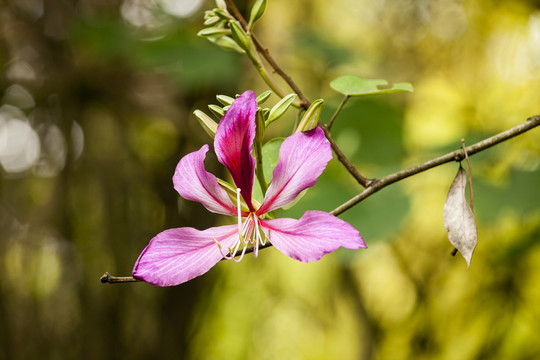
212, 20
213, 31
225, 42
224, 99
221, 4
263, 97
216, 110
222, 14
240, 36
279, 109
209, 125
256, 12
311, 117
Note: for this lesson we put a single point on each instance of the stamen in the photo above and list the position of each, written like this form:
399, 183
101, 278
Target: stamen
225, 256
241, 255
249, 232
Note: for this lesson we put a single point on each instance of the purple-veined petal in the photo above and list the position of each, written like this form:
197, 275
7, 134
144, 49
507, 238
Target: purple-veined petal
193, 182
234, 142
316, 233
302, 158
177, 255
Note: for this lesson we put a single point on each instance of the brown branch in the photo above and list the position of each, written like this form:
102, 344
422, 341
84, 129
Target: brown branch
109, 279
304, 102
458, 155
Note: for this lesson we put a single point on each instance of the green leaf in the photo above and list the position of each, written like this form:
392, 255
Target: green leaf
270, 153
352, 85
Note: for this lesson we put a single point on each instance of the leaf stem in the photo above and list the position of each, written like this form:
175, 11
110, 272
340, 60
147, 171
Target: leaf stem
345, 98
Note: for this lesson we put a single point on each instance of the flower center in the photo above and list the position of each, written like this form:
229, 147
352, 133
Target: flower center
249, 232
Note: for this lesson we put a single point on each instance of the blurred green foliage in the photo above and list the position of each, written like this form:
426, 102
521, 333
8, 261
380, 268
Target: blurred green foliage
96, 103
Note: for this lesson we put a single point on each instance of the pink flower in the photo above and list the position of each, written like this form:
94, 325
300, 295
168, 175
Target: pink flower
177, 255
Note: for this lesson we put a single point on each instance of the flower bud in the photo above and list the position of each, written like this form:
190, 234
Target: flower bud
208, 125
226, 43
221, 4
213, 31
256, 12
212, 20
216, 110
224, 99
279, 109
263, 97
311, 117
222, 14
240, 36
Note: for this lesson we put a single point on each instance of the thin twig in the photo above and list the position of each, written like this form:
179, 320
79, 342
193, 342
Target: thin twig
109, 279
458, 155
378, 184
345, 98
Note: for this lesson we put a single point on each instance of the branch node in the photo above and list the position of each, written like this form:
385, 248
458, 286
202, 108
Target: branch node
105, 278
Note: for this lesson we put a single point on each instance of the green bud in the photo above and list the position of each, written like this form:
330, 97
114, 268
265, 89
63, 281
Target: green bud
263, 97
209, 125
222, 14
225, 42
311, 117
279, 109
256, 12
221, 4
213, 31
240, 36
217, 111
212, 20
208, 14
224, 99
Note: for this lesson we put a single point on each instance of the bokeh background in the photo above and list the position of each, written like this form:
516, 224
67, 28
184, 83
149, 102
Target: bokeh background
96, 102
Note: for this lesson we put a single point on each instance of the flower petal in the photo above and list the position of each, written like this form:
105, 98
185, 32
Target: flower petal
193, 182
234, 142
316, 233
302, 158
177, 255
